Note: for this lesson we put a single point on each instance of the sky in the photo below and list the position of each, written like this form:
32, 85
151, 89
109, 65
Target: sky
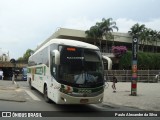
24, 24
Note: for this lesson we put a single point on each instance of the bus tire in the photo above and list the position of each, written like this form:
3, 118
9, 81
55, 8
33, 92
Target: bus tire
46, 94
30, 85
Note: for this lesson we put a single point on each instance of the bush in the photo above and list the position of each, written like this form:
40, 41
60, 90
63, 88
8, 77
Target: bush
145, 61
125, 61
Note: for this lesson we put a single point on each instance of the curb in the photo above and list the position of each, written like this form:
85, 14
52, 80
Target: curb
13, 100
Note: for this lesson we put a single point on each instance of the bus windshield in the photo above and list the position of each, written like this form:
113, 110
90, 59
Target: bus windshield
80, 67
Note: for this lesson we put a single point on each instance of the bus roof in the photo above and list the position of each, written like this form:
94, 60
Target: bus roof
68, 42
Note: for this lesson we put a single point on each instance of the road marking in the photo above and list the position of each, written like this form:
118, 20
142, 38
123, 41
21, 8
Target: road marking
32, 95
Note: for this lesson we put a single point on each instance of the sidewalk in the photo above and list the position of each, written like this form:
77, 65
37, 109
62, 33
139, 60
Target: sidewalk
148, 95
10, 92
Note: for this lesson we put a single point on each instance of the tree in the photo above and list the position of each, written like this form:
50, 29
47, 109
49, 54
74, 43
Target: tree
158, 39
102, 29
145, 35
136, 29
139, 31
95, 33
107, 26
148, 38
26, 55
154, 37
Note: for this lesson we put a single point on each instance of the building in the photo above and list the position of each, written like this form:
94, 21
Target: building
4, 56
119, 39
6, 66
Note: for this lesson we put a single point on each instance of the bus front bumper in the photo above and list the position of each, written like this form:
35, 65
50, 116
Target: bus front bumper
67, 99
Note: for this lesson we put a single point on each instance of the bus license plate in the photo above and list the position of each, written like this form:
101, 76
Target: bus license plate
84, 101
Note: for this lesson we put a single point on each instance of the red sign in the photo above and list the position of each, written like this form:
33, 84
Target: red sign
134, 85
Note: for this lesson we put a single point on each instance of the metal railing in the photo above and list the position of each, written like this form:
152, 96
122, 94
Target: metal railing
126, 75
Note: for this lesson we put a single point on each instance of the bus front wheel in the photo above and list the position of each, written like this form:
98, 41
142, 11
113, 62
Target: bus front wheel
46, 94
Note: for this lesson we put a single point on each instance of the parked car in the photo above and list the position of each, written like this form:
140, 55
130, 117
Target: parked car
24, 74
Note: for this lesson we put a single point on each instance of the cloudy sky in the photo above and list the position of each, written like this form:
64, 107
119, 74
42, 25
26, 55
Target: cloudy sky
26, 23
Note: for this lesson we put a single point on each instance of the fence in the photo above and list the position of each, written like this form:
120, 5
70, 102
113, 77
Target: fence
126, 75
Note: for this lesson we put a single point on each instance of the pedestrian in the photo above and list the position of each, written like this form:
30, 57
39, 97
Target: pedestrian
1, 74
114, 83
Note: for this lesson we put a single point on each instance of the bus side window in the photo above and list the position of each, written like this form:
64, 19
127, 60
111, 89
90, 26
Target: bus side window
53, 66
53, 60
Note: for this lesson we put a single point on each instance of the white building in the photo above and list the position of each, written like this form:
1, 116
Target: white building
4, 56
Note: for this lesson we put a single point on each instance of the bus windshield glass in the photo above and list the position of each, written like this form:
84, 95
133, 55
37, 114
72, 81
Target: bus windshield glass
80, 67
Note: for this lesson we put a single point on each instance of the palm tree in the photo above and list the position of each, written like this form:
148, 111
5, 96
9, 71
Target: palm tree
148, 37
95, 33
154, 37
157, 38
144, 37
138, 30
107, 26
102, 29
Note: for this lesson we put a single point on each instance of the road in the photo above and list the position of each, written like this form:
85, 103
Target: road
35, 102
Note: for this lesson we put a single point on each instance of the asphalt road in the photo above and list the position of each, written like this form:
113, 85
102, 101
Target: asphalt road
35, 102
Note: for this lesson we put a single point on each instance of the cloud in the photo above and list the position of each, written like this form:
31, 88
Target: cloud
153, 24
124, 24
25, 23
80, 23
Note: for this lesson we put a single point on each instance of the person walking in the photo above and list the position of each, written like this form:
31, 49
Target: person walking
1, 74
114, 83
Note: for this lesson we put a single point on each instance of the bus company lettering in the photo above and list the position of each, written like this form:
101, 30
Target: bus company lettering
75, 58
15, 114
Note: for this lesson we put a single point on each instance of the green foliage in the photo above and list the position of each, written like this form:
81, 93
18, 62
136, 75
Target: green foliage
25, 57
125, 60
145, 36
27, 54
145, 61
102, 29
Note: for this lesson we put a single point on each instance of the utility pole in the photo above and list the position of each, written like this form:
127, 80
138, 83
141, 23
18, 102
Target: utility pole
134, 66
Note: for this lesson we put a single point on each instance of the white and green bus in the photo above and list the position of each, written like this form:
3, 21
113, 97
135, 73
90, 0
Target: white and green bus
67, 72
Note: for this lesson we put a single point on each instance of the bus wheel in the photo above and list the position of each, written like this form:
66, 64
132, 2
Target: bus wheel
30, 85
46, 95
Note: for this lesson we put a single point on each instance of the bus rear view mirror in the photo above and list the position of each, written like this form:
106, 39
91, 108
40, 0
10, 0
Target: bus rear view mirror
55, 57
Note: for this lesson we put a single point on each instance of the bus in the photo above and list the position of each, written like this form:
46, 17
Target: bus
67, 72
